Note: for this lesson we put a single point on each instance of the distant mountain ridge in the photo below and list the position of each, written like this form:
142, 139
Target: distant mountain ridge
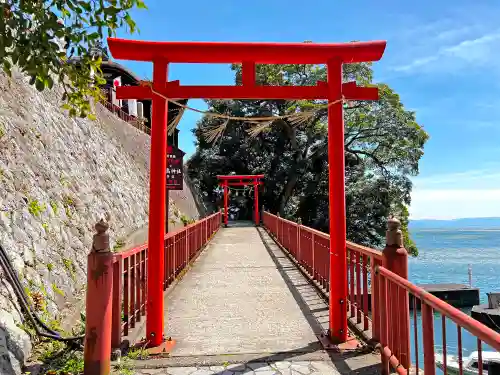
465, 223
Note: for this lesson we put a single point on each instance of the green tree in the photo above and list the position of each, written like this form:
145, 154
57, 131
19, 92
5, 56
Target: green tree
42, 36
383, 144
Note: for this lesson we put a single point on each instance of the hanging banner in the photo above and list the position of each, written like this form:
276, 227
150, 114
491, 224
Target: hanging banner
175, 172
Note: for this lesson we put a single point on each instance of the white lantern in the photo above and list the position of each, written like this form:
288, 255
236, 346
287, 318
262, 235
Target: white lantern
132, 107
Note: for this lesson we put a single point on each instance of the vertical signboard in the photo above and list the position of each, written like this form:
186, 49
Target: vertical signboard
175, 173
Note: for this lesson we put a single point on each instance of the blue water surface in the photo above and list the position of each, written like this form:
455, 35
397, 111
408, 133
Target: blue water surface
444, 257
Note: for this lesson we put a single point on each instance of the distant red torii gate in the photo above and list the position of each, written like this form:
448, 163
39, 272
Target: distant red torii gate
248, 54
241, 180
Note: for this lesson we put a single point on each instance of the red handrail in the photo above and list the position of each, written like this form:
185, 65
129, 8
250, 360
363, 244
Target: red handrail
310, 248
389, 298
130, 272
476, 328
132, 120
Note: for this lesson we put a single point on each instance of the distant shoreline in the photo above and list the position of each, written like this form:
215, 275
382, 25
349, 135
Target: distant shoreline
454, 230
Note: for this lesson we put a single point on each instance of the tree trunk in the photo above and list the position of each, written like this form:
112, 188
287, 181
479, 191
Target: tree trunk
287, 191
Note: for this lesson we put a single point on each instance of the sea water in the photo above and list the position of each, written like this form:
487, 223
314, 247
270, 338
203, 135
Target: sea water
444, 257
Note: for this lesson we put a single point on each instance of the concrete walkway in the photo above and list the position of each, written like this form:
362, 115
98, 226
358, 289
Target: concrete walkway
234, 300
245, 308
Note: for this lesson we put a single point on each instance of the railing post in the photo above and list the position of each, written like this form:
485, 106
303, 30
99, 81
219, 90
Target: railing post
428, 338
375, 305
116, 330
187, 245
395, 259
278, 227
99, 304
299, 225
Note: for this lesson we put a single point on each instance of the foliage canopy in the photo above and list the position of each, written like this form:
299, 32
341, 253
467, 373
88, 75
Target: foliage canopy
33, 37
383, 144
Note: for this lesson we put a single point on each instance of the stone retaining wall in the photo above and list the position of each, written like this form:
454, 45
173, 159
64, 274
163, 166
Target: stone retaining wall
58, 176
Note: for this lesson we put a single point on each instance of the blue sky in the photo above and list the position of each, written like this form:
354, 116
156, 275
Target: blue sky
441, 57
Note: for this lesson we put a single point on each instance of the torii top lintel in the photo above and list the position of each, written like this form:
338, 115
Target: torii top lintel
241, 177
240, 180
239, 52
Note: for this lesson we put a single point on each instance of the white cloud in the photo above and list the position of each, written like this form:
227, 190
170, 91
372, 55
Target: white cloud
454, 204
467, 53
453, 33
416, 63
474, 193
475, 51
479, 49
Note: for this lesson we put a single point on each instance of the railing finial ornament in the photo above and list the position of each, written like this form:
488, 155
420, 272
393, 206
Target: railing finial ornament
100, 241
393, 235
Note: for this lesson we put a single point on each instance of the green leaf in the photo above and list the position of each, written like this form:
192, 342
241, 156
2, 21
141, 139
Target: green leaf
37, 54
93, 36
7, 68
140, 5
111, 11
40, 86
130, 23
7, 40
85, 5
50, 82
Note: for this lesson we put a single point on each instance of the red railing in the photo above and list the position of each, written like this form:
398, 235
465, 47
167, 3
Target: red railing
393, 287
132, 120
362, 303
378, 298
130, 272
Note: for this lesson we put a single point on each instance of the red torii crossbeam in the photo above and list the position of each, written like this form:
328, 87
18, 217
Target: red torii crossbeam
241, 180
248, 54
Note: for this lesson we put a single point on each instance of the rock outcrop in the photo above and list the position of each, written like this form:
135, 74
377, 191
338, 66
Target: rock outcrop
58, 176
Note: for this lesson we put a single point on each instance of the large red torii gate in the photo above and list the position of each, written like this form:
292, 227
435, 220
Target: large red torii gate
241, 180
248, 54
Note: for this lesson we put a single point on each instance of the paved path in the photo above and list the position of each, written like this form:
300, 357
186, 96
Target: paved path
258, 368
244, 308
234, 300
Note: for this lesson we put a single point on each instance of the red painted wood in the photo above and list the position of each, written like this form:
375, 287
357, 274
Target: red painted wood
338, 254
143, 282
131, 306
138, 276
244, 180
365, 292
237, 52
358, 287
157, 188
240, 177
240, 183
428, 333
126, 288
249, 53
174, 90
352, 297
248, 73
116, 328
396, 260
99, 306
256, 204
